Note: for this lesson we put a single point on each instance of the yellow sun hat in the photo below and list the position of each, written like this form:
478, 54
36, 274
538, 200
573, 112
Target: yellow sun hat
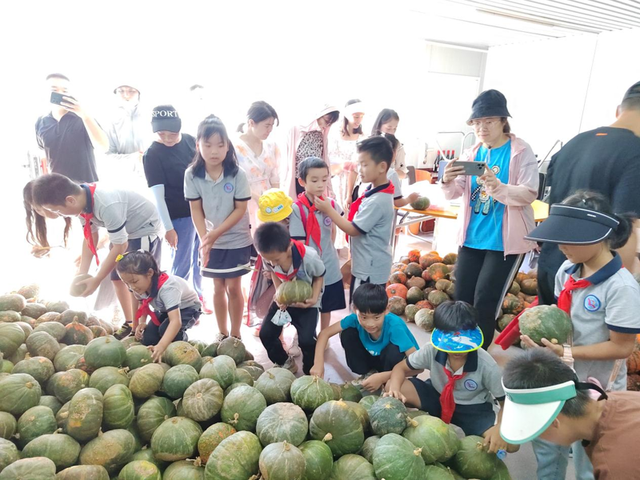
274, 206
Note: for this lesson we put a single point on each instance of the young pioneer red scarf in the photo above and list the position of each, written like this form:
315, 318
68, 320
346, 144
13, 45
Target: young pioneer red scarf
301, 251
310, 223
355, 206
564, 300
145, 309
447, 402
88, 236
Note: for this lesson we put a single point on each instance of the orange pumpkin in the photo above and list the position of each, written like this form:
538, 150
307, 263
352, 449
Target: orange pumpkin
397, 290
398, 277
438, 271
429, 259
414, 256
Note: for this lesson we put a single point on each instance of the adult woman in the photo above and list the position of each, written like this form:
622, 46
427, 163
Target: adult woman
387, 123
342, 151
257, 157
496, 210
307, 141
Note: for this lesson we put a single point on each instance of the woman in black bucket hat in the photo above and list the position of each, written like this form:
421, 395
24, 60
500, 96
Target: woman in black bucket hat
496, 211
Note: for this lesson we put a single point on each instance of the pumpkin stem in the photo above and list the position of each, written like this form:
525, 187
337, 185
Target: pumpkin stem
327, 438
57, 431
286, 446
197, 462
412, 422
417, 452
235, 418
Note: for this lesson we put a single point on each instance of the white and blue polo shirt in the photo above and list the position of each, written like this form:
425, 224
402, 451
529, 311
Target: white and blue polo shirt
611, 303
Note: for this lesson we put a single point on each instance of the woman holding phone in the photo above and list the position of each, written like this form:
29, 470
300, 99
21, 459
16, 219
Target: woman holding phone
496, 211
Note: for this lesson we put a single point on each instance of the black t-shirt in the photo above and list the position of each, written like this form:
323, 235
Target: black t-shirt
605, 160
166, 166
68, 147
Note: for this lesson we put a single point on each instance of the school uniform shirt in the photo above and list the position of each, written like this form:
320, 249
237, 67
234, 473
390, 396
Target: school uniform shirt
393, 177
67, 146
394, 330
174, 293
485, 225
371, 250
311, 266
329, 254
125, 214
166, 166
612, 303
218, 201
482, 380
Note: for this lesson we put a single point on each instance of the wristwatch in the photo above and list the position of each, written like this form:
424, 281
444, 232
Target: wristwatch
567, 356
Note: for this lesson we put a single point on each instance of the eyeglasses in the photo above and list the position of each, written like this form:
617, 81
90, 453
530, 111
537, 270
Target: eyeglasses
487, 122
127, 91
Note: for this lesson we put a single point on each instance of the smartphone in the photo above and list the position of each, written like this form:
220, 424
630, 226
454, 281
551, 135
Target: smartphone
57, 98
472, 168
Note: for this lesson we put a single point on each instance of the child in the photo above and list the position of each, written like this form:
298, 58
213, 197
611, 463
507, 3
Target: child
37, 224
464, 379
316, 230
374, 340
371, 216
289, 259
602, 298
218, 192
165, 162
176, 307
131, 221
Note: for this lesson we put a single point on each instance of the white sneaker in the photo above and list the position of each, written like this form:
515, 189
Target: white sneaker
290, 365
220, 337
294, 349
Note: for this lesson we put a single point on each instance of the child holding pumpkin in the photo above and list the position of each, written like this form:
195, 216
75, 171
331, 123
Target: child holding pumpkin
374, 340
176, 306
302, 270
601, 297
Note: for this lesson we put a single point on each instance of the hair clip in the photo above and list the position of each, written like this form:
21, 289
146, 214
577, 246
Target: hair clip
119, 257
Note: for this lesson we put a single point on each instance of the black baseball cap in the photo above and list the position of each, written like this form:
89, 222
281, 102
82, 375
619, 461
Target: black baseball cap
165, 118
574, 226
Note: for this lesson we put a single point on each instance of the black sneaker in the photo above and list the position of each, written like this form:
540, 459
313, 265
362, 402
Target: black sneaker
124, 331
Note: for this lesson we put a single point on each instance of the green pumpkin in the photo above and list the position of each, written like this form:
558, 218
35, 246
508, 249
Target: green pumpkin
34, 422
199, 344
42, 344
111, 450
40, 368
146, 454
55, 329
19, 393
502, 472
25, 326
8, 425
275, 385
10, 316
242, 407
104, 352
363, 415
439, 472
146, 380
222, 369
69, 316
84, 472
106, 377
176, 439
34, 310
62, 449
369, 447
236, 458
151, 415
422, 203
233, 386
296, 291
415, 413
368, 400
118, 408
546, 321
318, 460
182, 353
52, 402
281, 461
63, 415
309, 392
64, 385
396, 458
137, 356
39, 468
48, 317
212, 437
20, 354
350, 467
338, 425
349, 392
140, 470
8, 453
438, 442
85, 414
178, 379
473, 461
242, 376
12, 301
210, 350
68, 357
11, 337
234, 348
388, 415
77, 334
183, 470
202, 400
282, 422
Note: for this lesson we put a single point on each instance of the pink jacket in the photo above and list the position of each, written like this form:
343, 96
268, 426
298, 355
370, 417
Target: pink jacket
517, 196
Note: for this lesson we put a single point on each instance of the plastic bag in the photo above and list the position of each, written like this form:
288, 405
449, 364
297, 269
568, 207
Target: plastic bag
281, 318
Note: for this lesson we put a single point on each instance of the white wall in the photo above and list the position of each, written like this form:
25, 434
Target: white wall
558, 88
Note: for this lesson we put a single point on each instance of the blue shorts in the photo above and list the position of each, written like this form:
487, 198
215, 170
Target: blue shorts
473, 419
148, 244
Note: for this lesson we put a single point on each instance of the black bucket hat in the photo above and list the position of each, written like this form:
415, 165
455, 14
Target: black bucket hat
490, 103
574, 226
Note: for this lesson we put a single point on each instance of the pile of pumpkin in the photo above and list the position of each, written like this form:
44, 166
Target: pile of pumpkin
75, 403
633, 368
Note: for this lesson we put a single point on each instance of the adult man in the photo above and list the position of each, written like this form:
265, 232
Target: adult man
605, 160
68, 135
545, 399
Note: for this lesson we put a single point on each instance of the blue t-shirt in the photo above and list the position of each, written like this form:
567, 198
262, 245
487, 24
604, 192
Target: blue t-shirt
485, 225
394, 330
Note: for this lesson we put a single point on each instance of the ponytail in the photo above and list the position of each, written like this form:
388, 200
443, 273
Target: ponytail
621, 235
240, 128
